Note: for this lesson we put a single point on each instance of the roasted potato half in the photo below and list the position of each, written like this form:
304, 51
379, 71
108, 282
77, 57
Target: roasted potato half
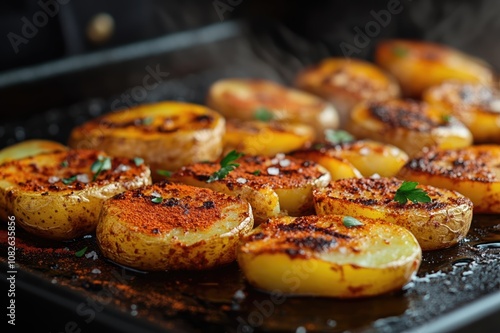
29, 148
272, 185
172, 226
437, 224
418, 65
364, 158
473, 171
256, 137
476, 105
167, 135
409, 125
346, 81
59, 195
320, 256
259, 99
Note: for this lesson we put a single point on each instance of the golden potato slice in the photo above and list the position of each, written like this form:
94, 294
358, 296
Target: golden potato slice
167, 135
476, 105
418, 65
318, 255
29, 148
345, 82
259, 99
473, 171
59, 195
409, 125
265, 138
172, 226
272, 185
437, 224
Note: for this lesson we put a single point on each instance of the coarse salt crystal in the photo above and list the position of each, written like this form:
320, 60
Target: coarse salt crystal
84, 178
122, 168
53, 179
96, 271
273, 171
91, 254
280, 156
284, 163
241, 180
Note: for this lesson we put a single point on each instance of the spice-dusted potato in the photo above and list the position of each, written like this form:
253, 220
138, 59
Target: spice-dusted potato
272, 185
418, 65
171, 226
265, 138
59, 195
320, 256
346, 82
473, 171
409, 125
476, 105
167, 135
29, 148
437, 224
259, 99
363, 157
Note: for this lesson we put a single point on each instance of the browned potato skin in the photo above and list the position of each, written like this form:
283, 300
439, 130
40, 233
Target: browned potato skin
438, 224
347, 81
418, 65
408, 124
476, 105
58, 211
192, 228
239, 98
473, 171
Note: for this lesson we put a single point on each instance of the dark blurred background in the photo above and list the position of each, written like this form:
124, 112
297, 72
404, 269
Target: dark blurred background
65, 61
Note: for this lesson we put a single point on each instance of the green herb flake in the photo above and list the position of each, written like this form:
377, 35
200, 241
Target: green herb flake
102, 163
157, 200
226, 166
164, 173
256, 172
350, 222
338, 136
138, 161
446, 118
64, 164
263, 114
81, 252
147, 121
409, 191
400, 51
69, 180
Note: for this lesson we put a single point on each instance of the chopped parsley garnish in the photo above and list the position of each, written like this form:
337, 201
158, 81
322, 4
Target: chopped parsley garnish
409, 191
81, 252
64, 164
350, 222
446, 118
102, 163
165, 173
138, 161
226, 166
338, 136
69, 180
263, 114
147, 121
256, 172
400, 51
157, 200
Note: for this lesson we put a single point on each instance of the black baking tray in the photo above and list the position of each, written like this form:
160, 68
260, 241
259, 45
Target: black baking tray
455, 290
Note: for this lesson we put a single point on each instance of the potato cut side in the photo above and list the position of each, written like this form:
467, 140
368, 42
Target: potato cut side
437, 224
409, 125
347, 82
59, 195
259, 99
167, 135
418, 65
172, 226
272, 185
29, 148
318, 255
476, 105
473, 171
266, 138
